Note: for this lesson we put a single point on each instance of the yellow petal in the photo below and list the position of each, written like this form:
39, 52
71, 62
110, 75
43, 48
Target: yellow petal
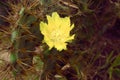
57, 19
70, 38
43, 27
72, 27
60, 46
65, 27
55, 15
66, 21
48, 42
50, 21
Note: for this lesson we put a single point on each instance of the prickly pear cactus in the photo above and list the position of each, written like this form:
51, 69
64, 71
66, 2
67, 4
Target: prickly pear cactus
59, 39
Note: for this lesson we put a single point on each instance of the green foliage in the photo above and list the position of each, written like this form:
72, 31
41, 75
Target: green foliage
22, 11
38, 63
116, 61
45, 2
14, 36
113, 68
13, 58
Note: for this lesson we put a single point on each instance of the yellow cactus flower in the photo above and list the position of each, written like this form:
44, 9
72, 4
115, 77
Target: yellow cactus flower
57, 31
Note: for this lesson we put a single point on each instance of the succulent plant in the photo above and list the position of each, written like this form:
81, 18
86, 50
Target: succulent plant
25, 30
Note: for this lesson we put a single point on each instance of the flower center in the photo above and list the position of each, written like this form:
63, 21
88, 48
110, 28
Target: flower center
56, 36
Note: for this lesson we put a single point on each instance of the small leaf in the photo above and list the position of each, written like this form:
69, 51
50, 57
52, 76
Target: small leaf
14, 35
22, 11
30, 20
108, 60
1, 61
14, 73
38, 63
45, 2
110, 71
116, 61
116, 72
13, 57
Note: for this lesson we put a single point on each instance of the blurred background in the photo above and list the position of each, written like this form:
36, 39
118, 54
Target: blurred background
94, 54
